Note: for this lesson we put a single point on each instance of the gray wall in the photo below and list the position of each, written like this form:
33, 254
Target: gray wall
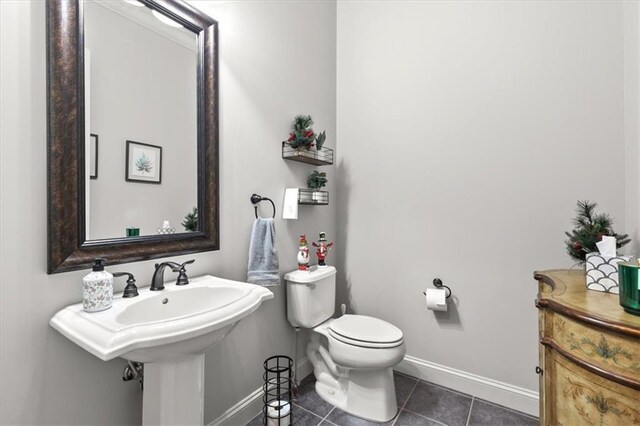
467, 132
143, 88
276, 60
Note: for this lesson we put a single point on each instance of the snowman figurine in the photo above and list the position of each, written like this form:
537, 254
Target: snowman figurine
322, 249
303, 254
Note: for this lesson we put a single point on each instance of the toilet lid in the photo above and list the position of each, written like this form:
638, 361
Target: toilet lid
359, 329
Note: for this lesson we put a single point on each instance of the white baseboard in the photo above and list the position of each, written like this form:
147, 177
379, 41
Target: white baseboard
510, 396
251, 405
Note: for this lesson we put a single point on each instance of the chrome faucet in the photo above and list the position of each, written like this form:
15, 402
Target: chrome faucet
157, 282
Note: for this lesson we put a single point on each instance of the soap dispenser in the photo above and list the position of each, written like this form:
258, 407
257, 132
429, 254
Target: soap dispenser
97, 288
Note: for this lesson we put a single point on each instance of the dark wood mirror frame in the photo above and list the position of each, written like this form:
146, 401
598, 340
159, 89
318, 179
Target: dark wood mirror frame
67, 248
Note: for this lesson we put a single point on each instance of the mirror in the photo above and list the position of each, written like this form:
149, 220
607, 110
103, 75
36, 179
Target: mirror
132, 129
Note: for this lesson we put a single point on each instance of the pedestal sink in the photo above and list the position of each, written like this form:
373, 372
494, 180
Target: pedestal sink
169, 331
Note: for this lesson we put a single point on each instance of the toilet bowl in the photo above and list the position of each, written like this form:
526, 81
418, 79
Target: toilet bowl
353, 355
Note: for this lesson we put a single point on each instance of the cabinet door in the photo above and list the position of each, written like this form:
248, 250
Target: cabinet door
581, 397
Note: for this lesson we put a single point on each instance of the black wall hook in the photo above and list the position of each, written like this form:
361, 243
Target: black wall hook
255, 199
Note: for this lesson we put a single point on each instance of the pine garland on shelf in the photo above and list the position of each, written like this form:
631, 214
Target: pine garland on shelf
589, 229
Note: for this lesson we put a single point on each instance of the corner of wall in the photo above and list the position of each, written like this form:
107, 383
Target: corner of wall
631, 33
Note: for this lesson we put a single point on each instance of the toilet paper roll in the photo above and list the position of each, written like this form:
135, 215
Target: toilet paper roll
436, 299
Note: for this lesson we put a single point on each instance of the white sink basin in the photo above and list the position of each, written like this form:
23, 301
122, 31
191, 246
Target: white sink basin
178, 304
156, 325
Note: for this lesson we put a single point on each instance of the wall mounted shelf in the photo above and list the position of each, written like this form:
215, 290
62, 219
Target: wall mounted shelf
322, 157
313, 197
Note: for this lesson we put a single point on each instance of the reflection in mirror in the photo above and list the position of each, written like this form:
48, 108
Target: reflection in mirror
141, 101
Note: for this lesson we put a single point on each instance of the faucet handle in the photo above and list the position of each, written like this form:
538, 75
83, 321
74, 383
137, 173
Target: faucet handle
188, 262
183, 279
130, 290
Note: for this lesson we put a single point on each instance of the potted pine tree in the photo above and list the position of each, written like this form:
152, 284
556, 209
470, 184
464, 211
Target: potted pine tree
590, 228
190, 222
316, 181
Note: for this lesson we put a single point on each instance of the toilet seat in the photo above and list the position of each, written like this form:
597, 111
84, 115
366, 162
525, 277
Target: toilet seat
365, 331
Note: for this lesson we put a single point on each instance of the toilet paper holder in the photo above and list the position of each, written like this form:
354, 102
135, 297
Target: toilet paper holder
437, 282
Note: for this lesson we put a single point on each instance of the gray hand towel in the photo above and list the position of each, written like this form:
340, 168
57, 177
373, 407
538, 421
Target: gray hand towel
263, 256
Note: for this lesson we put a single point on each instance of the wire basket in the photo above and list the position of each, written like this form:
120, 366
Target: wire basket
321, 157
312, 196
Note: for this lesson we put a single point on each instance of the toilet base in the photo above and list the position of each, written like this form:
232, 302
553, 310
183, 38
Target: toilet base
363, 388
370, 394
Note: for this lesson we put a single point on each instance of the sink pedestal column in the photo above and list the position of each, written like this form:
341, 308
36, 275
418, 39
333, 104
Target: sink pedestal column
174, 392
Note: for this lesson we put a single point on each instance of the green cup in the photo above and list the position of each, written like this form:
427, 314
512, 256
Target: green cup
133, 232
629, 288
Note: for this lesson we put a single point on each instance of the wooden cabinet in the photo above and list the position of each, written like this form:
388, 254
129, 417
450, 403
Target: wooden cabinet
589, 354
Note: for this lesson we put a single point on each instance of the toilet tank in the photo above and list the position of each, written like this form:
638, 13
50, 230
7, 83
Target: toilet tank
311, 296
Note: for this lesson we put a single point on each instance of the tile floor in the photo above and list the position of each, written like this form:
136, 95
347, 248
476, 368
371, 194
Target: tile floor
420, 403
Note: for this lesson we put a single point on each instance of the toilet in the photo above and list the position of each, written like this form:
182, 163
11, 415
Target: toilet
353, 355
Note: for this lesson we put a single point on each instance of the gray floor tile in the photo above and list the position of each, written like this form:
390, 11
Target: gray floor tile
256, 421
485, 413
308, 379
340, 418
302, 417
309, 399
468, 395
439, 404
404, 387
407, 418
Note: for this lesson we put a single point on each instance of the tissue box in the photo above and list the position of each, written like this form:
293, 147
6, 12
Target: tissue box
602, 272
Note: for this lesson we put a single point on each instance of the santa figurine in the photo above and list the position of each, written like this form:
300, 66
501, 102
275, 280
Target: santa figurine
322, 249
303, 254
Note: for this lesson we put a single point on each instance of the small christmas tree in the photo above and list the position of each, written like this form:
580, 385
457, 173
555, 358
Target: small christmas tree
302, 135
191, 220
590, 228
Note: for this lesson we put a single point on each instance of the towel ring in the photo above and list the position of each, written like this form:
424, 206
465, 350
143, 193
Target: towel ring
255, 199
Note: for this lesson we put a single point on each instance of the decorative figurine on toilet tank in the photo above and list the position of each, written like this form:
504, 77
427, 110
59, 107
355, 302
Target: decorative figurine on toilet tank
322, 249
303, 254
